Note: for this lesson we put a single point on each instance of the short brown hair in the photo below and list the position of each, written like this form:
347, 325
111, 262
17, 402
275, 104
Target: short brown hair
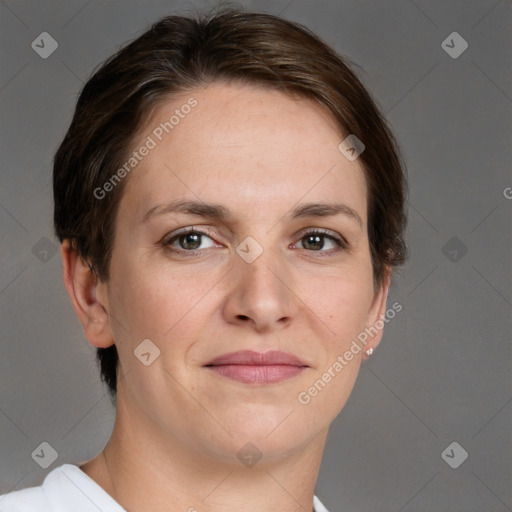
180, 53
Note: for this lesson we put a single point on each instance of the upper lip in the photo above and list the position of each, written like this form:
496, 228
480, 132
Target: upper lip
250, 357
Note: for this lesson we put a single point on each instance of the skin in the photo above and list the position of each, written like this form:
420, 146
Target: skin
260, 154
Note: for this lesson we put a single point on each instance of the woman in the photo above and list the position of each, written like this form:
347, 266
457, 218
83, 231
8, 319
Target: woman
230, 204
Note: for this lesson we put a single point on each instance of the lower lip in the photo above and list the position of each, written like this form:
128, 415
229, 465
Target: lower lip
257, 374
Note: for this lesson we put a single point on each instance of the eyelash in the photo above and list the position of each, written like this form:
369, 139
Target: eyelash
167, 241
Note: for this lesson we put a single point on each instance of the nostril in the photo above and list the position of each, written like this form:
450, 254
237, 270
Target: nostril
243, 317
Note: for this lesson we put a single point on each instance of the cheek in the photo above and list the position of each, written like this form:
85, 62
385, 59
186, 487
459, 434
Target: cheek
157, 302
342, 303
167, 307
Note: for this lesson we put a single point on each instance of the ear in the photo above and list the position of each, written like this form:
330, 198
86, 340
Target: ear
377, 312
88, 296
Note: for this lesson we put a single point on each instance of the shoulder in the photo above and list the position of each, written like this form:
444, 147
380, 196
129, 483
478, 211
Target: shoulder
26, 500
65, 488
31, 499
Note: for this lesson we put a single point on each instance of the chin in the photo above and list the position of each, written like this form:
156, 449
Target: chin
274, 435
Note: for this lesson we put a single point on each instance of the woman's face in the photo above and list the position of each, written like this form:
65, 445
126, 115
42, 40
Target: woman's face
276, 271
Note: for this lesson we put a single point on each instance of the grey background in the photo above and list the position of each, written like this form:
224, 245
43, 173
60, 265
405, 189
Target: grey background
442, 371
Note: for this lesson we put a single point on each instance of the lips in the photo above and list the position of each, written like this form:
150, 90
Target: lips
256, 367
250, 357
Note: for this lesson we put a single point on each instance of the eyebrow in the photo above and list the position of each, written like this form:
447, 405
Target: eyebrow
219, 212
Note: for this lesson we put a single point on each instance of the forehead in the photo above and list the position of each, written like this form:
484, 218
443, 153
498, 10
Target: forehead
246, 145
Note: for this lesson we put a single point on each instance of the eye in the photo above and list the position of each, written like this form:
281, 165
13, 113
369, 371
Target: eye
315, 240
188, 240
191, 241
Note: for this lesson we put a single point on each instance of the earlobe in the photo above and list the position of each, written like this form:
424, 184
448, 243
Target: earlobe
375, 320
83, 288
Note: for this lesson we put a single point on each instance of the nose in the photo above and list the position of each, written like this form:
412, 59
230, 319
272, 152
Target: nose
262, 296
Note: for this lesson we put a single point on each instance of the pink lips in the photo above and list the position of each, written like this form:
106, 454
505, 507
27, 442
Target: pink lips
256, 367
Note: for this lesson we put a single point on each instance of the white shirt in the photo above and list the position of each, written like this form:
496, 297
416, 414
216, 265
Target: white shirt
68, 489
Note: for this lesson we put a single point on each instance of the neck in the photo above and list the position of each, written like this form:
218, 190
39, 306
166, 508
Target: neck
143, 469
